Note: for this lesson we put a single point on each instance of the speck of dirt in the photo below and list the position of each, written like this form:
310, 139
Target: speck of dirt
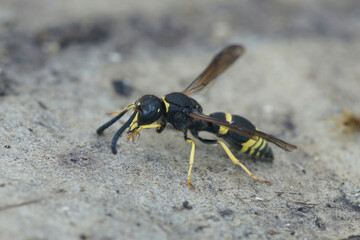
77, 33
42, 124
186, 205
353, 237
83, 237
226, 213
347, 203
303, 209
200, 228
7, 85
7, 146
76, 159
272, 232
42, 105
122, 88
60, 190
320, 224
289, 123
348, 121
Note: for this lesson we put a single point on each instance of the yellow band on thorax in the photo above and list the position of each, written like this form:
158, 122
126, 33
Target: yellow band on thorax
166, 104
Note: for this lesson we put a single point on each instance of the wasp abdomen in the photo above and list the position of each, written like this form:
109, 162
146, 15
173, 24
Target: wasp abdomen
257, 148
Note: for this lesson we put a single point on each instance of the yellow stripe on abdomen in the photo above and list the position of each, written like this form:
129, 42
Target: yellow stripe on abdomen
248, 144
223, 130
262, 146
256, 145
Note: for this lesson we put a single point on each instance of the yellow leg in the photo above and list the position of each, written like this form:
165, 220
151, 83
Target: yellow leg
192, 154
235, 161
157, 125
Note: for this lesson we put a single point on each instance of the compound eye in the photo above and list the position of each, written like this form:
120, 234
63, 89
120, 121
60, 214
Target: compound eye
148, 114
148, 110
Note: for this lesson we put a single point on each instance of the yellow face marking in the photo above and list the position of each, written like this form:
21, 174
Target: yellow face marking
223, 130
167, 105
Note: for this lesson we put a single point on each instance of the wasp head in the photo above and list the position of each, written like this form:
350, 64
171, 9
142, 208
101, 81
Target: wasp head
146, 110
149, 109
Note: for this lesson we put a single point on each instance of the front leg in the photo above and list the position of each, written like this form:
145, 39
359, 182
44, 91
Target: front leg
162, 125
134, 132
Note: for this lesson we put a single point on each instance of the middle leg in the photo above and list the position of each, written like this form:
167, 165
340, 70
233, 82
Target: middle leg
191, 160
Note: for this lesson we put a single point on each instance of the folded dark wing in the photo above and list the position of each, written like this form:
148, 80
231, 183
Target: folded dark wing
218, 65
244, 131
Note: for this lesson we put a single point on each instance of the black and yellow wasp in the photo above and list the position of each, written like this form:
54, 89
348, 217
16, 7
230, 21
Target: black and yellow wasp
185, 114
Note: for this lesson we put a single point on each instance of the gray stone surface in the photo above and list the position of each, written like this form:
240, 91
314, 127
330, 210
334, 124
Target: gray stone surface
59, 180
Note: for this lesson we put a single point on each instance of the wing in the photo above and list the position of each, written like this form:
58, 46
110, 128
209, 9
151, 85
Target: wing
218, 65
244, 131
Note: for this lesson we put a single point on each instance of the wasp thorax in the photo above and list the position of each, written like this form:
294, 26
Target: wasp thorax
149, 109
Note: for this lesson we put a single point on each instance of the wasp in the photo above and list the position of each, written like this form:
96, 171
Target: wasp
186, 114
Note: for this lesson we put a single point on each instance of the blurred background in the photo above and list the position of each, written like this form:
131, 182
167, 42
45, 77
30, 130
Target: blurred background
64, 65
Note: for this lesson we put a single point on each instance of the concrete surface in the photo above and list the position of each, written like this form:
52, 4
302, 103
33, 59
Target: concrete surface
59, 180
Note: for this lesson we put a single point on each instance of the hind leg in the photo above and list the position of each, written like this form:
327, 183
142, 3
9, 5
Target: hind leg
236, 162
231, 156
